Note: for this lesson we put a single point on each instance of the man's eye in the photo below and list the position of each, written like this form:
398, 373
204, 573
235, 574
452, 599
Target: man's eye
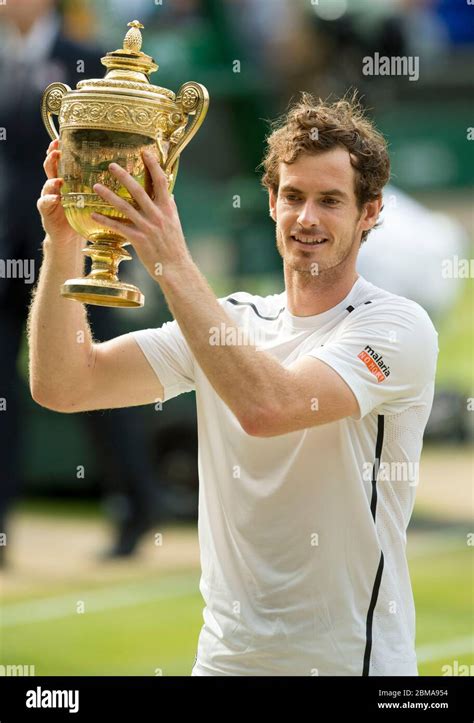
291, 197
331, 201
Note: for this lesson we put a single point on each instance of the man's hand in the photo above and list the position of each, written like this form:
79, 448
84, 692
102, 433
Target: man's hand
155, 230
49, 204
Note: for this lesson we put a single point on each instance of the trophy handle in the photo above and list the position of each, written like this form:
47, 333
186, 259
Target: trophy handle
51, 105
193, 99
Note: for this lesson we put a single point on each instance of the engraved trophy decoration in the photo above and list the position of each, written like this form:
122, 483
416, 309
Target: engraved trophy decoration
113, 119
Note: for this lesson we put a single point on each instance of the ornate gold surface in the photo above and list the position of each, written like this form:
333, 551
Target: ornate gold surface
113, 119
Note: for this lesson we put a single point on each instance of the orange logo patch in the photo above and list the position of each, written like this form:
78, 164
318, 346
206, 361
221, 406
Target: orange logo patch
372, 366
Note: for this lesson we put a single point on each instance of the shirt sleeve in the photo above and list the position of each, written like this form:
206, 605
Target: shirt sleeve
169, 356
387, 356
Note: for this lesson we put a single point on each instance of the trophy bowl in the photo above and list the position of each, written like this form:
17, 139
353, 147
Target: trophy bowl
114, 119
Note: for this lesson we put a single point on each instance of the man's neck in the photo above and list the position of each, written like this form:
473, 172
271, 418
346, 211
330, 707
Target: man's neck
311, 295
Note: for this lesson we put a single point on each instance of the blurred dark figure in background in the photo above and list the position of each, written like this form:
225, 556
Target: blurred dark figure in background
33, 53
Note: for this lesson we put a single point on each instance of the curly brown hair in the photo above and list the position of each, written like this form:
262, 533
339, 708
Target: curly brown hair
340, 123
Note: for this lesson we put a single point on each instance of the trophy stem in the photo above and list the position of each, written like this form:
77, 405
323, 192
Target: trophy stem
106, 256
101, 286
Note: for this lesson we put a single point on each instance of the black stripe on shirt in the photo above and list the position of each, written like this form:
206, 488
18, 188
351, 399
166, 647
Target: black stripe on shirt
249, 303
378, 576
273, 318
370, 616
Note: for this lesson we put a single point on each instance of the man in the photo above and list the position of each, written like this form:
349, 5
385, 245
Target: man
304, 398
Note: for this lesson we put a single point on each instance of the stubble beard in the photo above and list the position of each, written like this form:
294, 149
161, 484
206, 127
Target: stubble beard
304, 268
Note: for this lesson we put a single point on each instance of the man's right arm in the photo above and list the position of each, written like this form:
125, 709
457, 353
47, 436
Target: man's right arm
68, 371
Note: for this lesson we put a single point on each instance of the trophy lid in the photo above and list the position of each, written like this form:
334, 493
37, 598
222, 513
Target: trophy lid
128, 68
130, 57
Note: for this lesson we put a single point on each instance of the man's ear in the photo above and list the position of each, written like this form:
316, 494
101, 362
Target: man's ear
370, 213
272, 199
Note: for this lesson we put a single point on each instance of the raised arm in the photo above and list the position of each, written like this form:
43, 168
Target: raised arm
69, 372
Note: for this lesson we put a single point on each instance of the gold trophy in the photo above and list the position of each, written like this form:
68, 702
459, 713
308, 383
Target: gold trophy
113, 119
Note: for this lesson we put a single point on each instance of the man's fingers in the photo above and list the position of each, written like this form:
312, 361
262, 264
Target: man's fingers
52, 186
46, 204
53, 145
119, 203
158, 177
51, 164
133, 187
49, 198
130, 231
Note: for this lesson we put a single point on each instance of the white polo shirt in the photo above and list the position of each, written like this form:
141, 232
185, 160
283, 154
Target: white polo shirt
303, 535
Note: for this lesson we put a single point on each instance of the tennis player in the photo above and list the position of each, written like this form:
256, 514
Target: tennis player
311, 403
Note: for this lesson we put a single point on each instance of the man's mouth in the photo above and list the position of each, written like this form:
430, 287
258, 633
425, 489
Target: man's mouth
309, 240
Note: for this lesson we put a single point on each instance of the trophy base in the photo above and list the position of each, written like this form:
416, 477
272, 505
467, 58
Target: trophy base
103, 293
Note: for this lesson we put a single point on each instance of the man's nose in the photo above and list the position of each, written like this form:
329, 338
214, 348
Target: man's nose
308, 216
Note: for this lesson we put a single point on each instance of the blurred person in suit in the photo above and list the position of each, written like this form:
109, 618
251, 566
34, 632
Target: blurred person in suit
34, 52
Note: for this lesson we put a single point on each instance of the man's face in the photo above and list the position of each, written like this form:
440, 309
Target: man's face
316, 201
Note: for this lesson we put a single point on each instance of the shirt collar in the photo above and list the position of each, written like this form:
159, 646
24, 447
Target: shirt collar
316, 321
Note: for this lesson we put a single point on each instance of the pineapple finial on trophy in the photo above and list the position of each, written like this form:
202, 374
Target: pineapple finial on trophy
133, 39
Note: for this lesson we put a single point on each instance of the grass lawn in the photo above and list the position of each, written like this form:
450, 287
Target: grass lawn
456, 344
443, 590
